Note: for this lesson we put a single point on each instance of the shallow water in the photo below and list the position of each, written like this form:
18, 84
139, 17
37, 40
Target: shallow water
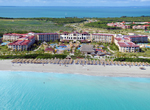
53, 91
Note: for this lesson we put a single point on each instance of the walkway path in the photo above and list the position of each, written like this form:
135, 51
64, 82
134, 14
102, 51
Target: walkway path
110, 49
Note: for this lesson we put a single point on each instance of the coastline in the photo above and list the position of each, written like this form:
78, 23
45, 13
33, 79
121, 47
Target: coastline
92, 70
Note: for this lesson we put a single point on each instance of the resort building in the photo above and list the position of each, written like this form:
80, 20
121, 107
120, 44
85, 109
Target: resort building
106, 38
23, 43
15, 36
75, 36
128, 47
118, 24
144, 27
125, 45
138, 38
47, 37
121, 39
12, 36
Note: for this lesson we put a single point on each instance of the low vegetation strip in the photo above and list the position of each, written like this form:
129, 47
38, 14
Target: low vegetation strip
30, 56
59, 21
126, 19
132, 60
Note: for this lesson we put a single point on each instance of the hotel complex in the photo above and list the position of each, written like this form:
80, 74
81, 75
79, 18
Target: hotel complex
12, 36
46, 37
118, 24
140, 27
137, 38
105, 38
23, 43
75, 36
125, 45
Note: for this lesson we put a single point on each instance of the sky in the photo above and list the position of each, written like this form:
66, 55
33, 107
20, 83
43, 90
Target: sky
74, 2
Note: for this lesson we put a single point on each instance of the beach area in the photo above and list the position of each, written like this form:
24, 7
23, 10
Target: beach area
93, 70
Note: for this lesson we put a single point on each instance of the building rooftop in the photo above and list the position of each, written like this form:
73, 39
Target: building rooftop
122, 38
46, 33
20, 42
87, 48
127, 44
15, 34
103, 34
134, 36
49, 49
62, 45
24, 40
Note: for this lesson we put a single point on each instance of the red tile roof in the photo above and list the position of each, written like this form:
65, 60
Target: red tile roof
122, 38
65, 33
20, 42
62, 45
134, 36
27, 37
127, 44
85, 33
49, 49
118, 38
15, 34
31, 37
101, 50
146, 25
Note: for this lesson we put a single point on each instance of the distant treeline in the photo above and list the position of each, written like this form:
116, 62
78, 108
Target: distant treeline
59, 21
132, 60
33, 56
126, 19
101, 24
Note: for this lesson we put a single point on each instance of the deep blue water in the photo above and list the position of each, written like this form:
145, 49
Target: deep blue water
53, 91
72, 11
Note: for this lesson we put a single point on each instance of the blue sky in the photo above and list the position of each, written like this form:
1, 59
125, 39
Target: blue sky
74, 2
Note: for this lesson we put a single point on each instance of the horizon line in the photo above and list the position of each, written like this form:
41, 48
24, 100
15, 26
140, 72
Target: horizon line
76, 6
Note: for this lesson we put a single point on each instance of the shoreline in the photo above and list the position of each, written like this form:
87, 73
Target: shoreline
91, 70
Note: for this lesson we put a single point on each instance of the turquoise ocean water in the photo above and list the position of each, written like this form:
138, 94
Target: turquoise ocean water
72, 11
53, 91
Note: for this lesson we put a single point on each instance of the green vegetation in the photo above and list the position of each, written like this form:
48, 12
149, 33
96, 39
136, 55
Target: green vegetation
24, 26
38, 25
113, 47
4, 49
132, 60
29, 56
126, 19
61, 21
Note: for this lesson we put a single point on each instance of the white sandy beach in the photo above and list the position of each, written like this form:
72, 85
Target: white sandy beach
95, 70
